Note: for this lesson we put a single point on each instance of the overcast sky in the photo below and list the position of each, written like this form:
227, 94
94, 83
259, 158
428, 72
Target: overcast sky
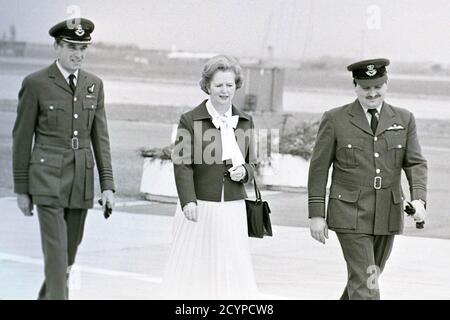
408, 30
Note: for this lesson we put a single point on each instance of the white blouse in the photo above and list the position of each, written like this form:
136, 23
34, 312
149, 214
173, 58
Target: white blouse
227, 123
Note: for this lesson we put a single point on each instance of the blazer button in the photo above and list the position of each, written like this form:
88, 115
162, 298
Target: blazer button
376, 154
375, 138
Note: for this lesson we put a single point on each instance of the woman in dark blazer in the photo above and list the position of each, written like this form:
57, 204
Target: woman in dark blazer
214, 156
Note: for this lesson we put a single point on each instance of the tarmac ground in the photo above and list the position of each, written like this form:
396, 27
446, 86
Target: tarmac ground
123, 258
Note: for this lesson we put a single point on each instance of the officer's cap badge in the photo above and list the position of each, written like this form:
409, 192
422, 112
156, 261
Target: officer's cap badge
79, 30
371, 71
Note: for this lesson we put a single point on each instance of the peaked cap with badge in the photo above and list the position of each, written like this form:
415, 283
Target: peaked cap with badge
369, 72
76, 30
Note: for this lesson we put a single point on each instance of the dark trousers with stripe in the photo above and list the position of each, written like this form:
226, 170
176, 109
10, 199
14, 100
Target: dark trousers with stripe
61, 234
366, 257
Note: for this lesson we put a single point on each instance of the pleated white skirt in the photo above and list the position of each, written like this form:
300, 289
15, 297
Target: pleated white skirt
210, 259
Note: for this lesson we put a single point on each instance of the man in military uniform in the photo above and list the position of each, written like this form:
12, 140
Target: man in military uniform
368, 142
60, 114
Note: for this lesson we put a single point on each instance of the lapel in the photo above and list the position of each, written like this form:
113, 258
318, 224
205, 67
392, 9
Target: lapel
236, 112
387, 118
58, 79
81, 82
358, 118
242, 125
200, 112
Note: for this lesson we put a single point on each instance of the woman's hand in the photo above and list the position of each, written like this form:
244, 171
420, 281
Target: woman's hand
237, 173
190, 211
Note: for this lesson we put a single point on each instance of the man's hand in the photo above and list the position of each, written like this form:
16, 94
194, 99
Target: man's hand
190, 211
319, 229
25, 205
420, 214
237, 173
108, 199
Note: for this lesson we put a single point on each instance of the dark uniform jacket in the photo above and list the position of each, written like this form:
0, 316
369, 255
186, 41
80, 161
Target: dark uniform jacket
365, 194
58, 169
197, 177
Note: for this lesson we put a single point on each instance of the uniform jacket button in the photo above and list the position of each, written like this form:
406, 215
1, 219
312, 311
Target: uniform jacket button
376, 154
42, 159
339, 196
349, 146
51, 107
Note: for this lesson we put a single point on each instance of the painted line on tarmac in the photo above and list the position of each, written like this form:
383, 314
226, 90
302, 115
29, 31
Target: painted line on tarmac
105, 272
137, 203
97, 206
441, 149
82, 268
129, 204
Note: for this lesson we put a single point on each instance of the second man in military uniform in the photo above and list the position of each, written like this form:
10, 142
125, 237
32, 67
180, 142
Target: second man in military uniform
368, 142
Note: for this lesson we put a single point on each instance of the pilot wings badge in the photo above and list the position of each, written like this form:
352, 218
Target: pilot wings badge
396, 127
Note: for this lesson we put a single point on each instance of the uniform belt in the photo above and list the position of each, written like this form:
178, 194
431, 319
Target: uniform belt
376, 182
71, 143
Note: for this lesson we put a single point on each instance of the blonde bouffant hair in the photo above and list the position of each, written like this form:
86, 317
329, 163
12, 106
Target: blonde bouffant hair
220, 63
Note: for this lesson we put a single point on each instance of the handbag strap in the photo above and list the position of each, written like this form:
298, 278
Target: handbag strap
257, 192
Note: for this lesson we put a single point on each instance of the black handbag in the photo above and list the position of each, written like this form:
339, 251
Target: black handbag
258, 216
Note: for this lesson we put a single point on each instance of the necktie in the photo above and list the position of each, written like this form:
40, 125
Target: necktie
374, 120
72, 83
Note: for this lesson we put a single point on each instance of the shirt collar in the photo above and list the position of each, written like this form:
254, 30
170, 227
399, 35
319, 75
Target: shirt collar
213, 112
365, 108
64, 72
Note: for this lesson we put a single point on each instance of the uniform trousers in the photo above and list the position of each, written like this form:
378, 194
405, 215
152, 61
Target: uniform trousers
61, 234
366, 256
